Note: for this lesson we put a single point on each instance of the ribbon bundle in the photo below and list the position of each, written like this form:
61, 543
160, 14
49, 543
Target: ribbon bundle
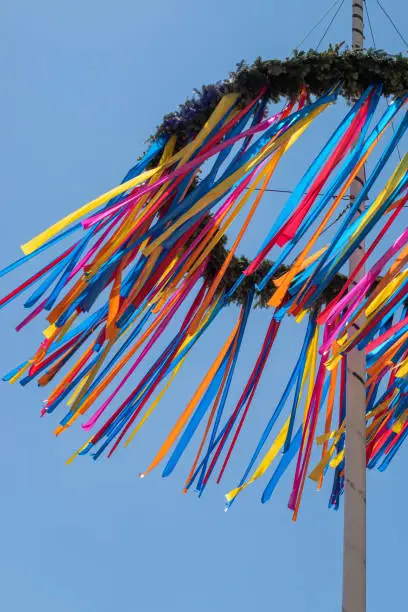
145, 249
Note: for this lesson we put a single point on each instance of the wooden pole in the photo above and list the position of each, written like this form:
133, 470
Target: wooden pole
354, 542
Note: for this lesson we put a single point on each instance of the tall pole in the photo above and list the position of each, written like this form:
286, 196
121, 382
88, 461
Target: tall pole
354, 543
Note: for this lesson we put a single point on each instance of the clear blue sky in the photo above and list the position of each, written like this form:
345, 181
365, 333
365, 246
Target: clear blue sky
84, 83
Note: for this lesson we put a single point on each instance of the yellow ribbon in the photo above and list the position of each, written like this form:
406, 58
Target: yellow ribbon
223, 107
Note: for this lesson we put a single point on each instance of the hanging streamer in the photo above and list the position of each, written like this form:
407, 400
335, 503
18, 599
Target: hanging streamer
144, 265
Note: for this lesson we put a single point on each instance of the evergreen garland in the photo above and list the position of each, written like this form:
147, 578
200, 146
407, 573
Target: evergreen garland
318, 71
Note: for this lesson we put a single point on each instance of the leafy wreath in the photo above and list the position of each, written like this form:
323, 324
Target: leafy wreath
283, 79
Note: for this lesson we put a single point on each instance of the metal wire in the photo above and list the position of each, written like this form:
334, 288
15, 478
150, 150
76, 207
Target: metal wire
369, 24
404, 40
330, 25
339, 216
289, 191
317, 24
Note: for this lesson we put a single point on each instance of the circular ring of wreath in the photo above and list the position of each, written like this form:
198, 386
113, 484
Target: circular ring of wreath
284, 79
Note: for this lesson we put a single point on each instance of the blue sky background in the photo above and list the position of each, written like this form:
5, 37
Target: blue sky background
84, 83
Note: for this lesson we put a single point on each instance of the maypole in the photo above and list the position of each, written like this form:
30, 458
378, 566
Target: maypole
354, 542
157, 241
